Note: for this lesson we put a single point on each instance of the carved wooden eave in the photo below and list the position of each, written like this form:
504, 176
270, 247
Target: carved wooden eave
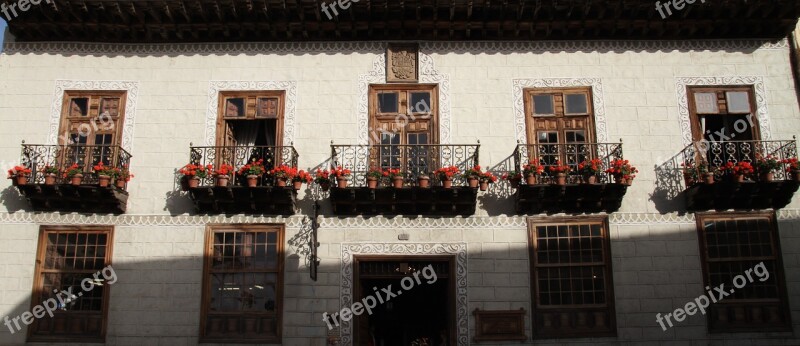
296, 20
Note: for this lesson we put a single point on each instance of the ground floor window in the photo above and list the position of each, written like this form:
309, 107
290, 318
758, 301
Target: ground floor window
742, 272
571, 278
243, 284
71, 286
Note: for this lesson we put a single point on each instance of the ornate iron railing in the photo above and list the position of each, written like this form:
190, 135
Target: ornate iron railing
717, 154
571, 154
238, 156
37, 157
413, 160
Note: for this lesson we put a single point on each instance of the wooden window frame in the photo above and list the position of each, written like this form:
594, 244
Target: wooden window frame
530, 123
250, 114
783, 298
38, 281
375, 116
66, 118
697, 133
609, 275
208, 251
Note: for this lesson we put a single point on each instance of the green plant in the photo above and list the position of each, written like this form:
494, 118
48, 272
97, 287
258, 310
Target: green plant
767, 164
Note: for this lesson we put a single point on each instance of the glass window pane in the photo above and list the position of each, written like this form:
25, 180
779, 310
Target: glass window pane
388, 102
79, 107
234, 107
543, 105
738, 101
109, 107
706, 103
420, 102
548, 137
575, 104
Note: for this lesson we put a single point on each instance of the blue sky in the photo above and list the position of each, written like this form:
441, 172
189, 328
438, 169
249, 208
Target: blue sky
2, 30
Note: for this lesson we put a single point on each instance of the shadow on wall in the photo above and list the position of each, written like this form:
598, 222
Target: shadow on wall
13, 200
159, 301
669, 193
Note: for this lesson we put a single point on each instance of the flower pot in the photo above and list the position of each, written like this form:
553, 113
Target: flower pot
688, 179
423, 181
473, 182
280, 182
447, 183
22, 179
372, 183
620, 179
561, 179
222, 180
76, 179
103, 180
193, 182
796, 175
252, 180
120, 183
739, 178
484, 185
341, 182
767, 176
589, 179
297, 185
325, 186
708, 178
529, 180
397, 182
50, 179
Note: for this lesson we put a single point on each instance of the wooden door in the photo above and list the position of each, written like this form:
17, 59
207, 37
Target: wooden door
560, 124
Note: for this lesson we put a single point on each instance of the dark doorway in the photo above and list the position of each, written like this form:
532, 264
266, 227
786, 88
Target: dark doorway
423, 312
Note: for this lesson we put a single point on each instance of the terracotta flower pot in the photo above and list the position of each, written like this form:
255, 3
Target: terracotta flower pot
561, 179
325, 186
529, 180
193, 182
341, 182
739, 178
76, 179
397, 182
222, 180
280, 182
103, 180
22, 179
424, 181
447, 183
484, 185
473, 182
708, 178
620, 179
767, 176
252, 180
50, 179
589, 179
297, 185
372, 183
120, 183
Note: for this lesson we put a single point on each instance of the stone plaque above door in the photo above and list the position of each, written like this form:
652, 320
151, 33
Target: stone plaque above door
402, 63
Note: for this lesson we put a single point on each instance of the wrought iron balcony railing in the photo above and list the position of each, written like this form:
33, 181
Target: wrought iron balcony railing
37, 157
413, 160
238, 156
571, 154
716, 154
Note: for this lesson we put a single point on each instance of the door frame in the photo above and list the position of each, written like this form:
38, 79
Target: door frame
451, 287
694, 119
221, 123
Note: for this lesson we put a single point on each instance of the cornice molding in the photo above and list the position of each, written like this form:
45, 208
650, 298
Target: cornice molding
257, 48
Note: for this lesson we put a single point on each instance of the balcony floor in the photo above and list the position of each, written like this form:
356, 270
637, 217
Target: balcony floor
749, 195
70, 198
569, 198
414, 200
261, 200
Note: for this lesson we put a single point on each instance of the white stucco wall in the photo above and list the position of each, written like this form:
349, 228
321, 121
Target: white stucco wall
158, 256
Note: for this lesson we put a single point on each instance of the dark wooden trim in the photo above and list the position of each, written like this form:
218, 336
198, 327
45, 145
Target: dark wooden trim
37, 281
560, 112
66, 120
208, 257
375, 117
609, 272
697, 134
221, 119
700, 218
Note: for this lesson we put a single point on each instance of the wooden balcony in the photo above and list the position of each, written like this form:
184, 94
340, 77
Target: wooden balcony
237, 197
414, 161
545, 196
61, 195
726, 192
